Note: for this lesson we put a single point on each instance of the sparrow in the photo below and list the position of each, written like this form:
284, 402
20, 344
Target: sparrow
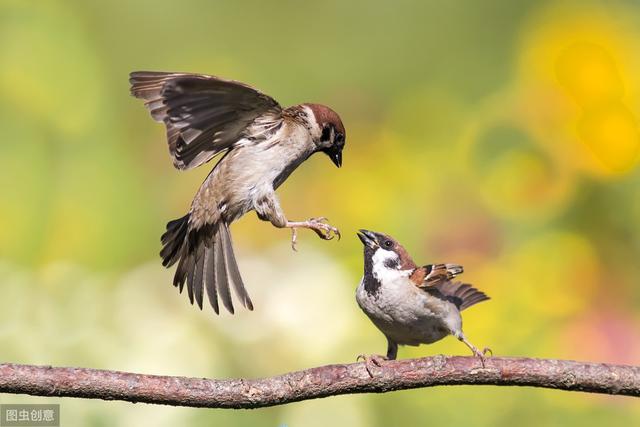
411, 305
260, 144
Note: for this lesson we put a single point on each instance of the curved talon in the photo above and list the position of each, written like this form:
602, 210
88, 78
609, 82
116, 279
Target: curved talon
487, 350
319, 226
473, 348
323, 234
324, 230
480, 356
374, 359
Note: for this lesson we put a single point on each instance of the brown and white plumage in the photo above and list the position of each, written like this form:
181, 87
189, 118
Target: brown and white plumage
204, 115
411, 305
261, 144
433, 274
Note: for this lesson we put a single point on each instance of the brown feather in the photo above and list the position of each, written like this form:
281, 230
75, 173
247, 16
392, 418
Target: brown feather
190, 266
221, 276
432, 274
210, 280
462, 295
233, 272
203, 114
198, 284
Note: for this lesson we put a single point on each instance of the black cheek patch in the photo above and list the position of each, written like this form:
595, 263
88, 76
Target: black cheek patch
391, 263
326, 133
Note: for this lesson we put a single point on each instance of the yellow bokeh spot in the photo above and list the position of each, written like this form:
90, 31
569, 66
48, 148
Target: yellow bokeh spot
589, 73
586, 56
611, 132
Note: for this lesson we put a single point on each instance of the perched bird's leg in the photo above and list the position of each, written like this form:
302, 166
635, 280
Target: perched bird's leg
474, 349
318, 225
392, 350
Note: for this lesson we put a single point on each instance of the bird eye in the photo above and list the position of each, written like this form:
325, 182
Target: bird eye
388, 243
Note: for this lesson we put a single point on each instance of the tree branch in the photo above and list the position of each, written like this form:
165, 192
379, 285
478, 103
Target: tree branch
324, 381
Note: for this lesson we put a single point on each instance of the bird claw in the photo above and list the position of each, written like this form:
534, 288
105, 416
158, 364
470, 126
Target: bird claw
482, 354
373, 359
323, 229
320, 226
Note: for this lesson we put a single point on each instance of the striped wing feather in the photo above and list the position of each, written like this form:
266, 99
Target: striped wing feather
203, 114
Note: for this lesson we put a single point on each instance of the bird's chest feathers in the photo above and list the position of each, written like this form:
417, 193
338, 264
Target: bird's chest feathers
387, 288
295, 147
254, 170
389, 295
277, 158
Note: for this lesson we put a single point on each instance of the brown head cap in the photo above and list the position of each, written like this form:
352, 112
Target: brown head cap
329, 135
373, 240
325, 115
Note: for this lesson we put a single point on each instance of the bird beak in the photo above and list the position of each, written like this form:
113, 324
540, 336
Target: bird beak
336, 158
368, 238
335, 154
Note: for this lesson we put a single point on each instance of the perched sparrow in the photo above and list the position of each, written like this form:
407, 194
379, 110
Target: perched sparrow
411, 305
262, 144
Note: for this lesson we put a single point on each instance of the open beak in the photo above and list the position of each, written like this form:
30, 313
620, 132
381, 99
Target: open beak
368, 238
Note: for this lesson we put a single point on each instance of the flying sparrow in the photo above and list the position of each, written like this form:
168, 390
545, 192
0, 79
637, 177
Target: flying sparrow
262, 143
411, 305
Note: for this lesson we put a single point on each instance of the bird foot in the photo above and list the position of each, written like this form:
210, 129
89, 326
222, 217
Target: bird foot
371, 360
323, 229
482, 354
319, 225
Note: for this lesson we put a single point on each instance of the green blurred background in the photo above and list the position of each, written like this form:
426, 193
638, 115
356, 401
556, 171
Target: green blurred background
502, 135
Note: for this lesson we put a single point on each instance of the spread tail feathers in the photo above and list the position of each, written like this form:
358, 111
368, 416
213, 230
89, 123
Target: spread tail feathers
205, 260
463, 295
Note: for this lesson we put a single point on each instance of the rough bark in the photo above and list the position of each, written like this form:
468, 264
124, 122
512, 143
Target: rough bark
324, 381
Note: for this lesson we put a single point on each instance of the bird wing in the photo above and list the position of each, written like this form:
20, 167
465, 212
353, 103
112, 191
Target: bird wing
433, 274
204, 115
462, 295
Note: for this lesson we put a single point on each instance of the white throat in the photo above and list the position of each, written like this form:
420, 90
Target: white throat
381, 269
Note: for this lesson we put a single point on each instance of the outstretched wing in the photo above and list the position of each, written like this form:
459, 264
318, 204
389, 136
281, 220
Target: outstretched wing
204, 115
